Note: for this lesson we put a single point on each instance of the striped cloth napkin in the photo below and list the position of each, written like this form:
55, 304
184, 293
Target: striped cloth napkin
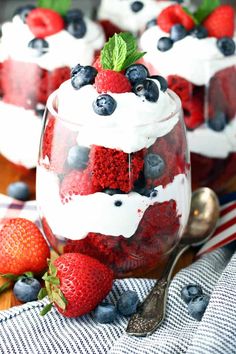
23, 331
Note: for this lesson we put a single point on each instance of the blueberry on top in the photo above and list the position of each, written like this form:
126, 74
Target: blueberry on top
190, 291
164, 44
151, 23
178, 32
199, 32
83, 75
136, 72
146, 88
226, 45
104, 105
18, 190
78, 157
218, 123
24, 11
137, 6
77, 28
154, 166
162, 81
40, 45
73, 15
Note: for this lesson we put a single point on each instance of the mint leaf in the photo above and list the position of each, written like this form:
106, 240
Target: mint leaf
60, 6
205, 9
132, 59
107, 54
119, 53
130, 41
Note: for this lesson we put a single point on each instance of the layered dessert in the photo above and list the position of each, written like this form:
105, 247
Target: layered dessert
199, 63
113, 173
38, 49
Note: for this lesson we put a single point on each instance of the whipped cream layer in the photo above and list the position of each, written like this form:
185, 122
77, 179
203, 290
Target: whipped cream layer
135, 124
20, 131
121, 14
97, 212
64, 49
196, 60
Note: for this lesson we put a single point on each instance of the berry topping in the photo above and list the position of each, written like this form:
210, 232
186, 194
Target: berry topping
218, 123
197, 306
148, 89
190, 291
162, 81
154, 166
40, 45
220, 23
136, 72
128, 303
164, 44
182, 87
199, 32
18, 190
83, 75
73, 15
105, 313
24, 11
137, 6
77, 28
112, 81
178, 32
193, 111
78, 157
44, 22
173, 15
226, 45
97, 64
26, 289
104, 105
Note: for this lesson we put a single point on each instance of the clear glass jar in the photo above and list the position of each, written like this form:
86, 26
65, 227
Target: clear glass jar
113, 208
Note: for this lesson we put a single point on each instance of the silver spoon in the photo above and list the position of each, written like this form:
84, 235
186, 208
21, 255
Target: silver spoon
203, 217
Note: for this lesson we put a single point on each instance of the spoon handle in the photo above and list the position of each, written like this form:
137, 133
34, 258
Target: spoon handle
151, 312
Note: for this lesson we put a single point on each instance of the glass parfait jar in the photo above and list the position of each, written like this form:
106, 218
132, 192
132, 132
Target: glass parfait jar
127, 209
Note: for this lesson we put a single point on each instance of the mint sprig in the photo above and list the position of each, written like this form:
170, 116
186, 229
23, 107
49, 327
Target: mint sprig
60, 6
120, 52
204, 10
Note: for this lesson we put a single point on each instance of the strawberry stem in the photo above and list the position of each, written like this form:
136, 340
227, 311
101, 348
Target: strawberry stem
46, 309
5, 286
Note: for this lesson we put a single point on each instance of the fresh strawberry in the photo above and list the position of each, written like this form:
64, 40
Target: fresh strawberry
109, 28
44, 22
173, 15
182, 87
220, 22
194, 111
22, 248
76, 284
97, 64
112, 81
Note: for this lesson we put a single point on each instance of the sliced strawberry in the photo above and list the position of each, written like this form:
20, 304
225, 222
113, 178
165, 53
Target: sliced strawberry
112, 81
173, 15
44, 22
220, 22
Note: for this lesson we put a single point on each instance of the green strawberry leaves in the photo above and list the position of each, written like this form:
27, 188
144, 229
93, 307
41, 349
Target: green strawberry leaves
204, 10
120, 52
60, 6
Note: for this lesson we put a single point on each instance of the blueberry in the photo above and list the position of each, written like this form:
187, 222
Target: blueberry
104, 105
199, 32
40, 45
78, 157
147, 89
154, 166
77, 28
164, 44
128, 303
27, 289
226, 45
151, 23
18, 190
76, 70
178, 32
190, 291
111, 191
136, 72
137, 6
118, 203
105, 313
162, 81
85, 75
24, 11
73, 15
218, 123
197, 306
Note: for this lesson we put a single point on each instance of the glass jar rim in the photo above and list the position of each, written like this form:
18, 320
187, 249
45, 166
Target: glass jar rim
51, 108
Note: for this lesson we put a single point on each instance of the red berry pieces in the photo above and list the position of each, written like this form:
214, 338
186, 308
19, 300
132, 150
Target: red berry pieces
194, 110
109, 28
44, 22
220, 23
97, 64
173, 15
112, 81
182, 87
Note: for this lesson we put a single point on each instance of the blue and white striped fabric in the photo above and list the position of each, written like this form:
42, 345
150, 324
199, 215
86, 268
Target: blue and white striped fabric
23, 331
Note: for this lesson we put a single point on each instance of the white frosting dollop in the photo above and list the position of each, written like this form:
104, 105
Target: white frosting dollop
97, 212
64, 49
121, 14
20, 131
135, 124
196, 60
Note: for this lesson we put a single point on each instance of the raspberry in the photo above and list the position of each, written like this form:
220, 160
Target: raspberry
112, 81
220, 23
182, 87
97, 64
44, 22
77, 183
173, 15
109, 28
115, 169
194, 110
